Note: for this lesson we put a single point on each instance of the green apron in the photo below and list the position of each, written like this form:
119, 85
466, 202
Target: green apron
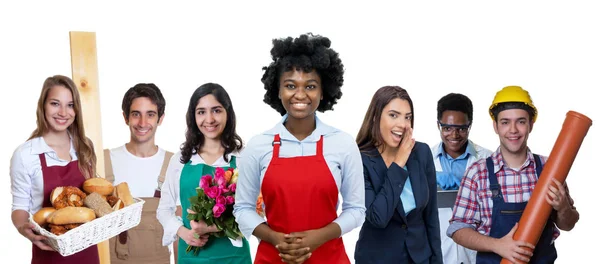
217, 249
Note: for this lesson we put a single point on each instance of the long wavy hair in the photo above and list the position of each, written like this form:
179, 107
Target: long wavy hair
369, 135
194, 139
86, 157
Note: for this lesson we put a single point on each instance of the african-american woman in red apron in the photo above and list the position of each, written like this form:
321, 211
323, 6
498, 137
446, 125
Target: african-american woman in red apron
300, 194
301, 165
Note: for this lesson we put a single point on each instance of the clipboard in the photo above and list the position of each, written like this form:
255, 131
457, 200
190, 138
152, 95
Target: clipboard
446, 198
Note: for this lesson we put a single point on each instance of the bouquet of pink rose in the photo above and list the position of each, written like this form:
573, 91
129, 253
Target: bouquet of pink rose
213, 204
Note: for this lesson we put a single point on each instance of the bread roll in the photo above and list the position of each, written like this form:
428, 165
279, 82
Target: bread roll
71, 215
122, 191
98, 185
95, 202
40, 216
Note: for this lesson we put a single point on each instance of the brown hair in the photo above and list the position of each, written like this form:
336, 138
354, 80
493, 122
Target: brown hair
369, 136
86, 158
148, 90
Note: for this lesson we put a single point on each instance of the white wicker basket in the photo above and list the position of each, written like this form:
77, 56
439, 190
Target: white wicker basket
94, 232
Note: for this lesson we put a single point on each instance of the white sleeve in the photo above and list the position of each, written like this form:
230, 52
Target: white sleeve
169, 200
352, 189
247, 190
20, 182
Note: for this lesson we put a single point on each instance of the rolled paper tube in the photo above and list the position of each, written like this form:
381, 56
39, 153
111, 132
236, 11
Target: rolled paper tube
559, 163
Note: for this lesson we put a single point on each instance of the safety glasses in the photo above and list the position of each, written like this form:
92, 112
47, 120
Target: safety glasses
449, 129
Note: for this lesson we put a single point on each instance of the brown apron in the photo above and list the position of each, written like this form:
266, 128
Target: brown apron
143, 243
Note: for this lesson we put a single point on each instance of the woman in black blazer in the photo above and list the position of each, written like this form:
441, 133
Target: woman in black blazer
402, 223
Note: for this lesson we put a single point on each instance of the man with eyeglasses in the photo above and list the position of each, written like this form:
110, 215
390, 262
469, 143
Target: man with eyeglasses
452, 156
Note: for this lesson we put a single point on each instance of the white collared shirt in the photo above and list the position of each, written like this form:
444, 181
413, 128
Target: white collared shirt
26, 178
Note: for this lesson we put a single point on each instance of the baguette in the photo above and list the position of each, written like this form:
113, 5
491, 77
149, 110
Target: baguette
122, 192
71, 215
40, 216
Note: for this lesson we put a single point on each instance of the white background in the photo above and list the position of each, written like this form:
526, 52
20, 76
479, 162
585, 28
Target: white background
431, 49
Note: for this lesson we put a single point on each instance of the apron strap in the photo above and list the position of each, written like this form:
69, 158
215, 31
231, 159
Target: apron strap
43, 160
320, 147
276, 144
109, 175
232, 163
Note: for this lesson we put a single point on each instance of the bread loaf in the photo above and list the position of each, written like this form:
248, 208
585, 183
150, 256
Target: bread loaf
95, 202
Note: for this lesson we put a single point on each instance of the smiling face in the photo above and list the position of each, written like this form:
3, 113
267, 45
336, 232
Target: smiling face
395, 119
300, 93
454, 131
143, 120
59, 109
211, 117
513, 127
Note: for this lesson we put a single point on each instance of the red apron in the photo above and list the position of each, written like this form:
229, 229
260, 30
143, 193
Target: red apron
56, 176
300, 194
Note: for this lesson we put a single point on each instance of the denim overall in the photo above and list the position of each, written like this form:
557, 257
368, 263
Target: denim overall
504, 217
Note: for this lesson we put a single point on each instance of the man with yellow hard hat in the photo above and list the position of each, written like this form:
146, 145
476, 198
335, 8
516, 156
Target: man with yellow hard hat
495, 191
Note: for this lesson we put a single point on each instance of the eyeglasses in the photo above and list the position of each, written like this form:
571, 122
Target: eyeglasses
450, 129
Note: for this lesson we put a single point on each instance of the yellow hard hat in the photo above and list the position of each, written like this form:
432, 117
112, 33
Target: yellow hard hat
513, 94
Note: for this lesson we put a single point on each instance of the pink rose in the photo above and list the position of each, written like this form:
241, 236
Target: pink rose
220, 200
220, 178
205, 182
212, 192
224, 189
219, 172
218, 209
230, 199
232, 187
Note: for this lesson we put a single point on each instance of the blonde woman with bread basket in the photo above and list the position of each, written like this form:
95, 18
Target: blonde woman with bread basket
56, 154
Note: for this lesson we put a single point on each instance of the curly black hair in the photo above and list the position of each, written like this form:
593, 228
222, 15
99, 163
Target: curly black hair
307, 52
194, 139
455, 102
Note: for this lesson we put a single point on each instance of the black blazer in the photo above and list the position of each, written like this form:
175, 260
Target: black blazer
388, 235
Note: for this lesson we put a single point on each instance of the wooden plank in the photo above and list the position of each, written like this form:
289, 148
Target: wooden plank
84, 67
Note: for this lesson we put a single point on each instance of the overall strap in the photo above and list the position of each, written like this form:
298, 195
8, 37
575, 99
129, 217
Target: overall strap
163, 173
165, 165
494, 186
538, 165
109, 175
276, 144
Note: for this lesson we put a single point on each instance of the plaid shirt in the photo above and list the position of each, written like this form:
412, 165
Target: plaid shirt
473, 206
